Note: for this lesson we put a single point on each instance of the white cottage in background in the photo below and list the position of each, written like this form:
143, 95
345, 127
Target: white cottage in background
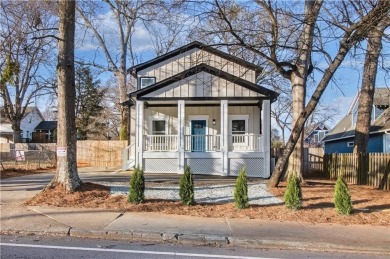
32, 117
201, 107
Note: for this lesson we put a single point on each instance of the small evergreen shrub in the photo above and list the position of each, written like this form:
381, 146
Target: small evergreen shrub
342, 198
293, 194
241, 190
137, 186
186, 191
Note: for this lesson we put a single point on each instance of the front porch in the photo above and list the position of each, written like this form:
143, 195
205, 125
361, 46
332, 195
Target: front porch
218, 138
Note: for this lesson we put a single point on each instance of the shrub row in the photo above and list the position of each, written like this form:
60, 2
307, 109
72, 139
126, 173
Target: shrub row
186, 191
292, 195
342, 198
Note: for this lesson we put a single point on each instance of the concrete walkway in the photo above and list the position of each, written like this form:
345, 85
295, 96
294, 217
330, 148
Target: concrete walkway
100, 223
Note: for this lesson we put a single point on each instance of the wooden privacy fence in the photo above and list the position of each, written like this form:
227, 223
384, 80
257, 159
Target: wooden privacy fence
312, 159
371, 169
100, 152
106, 153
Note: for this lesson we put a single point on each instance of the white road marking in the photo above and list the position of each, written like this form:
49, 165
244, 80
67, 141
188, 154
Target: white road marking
130, 251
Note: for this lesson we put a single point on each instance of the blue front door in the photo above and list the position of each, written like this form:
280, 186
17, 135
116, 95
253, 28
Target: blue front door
198, 132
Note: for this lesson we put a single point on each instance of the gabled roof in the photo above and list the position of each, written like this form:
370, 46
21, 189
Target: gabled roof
313, 127
344, 128
382, 97
272, 95
196, 44
46, 125
29, 109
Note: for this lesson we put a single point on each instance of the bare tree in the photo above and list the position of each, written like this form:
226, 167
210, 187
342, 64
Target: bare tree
66, 174
280, 36
366, 96
353, 34
126, 14
287, 38
26, 56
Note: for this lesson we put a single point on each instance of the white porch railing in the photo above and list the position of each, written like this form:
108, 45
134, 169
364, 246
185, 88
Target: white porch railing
246, 142
202, 143
160, 143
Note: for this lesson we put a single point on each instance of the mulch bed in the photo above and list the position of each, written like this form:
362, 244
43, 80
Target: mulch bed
371, 206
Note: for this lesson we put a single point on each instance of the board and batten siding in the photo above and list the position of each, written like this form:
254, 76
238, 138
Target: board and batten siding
170, 114
191, 58
203, 84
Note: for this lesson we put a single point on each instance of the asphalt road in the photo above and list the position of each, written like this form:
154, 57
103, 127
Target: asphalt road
67, 247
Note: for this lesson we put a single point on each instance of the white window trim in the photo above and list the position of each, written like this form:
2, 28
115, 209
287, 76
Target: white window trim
244, 117
157, 118
350, 144
239, 117
146, 77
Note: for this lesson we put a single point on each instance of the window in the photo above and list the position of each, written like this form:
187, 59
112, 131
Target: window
158, 127
238, 128
316, 138
147, 81
350, 144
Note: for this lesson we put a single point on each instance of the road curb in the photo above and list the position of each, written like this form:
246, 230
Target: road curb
210, 240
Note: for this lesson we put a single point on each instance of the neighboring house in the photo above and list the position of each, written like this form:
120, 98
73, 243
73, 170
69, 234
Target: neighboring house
341, 138
314, 134
45, 132
200, 107
31, 119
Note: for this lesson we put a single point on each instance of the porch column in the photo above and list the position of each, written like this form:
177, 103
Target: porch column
224, 136
139, 131
180, 133
266, 131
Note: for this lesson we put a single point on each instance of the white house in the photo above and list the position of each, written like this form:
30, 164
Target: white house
201, 107
31, 119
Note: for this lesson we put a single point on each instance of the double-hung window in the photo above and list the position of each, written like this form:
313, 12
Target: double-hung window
238, 128
158, 127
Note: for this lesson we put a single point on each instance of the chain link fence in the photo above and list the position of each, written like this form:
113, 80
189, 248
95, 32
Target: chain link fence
27, 156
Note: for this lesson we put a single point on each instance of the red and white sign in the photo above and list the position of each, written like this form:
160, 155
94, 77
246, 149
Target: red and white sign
61, 151
20, 155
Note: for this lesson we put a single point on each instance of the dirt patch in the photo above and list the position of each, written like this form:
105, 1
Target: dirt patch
371, 206
16, 172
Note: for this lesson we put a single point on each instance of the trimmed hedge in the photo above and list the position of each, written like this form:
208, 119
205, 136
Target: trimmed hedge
342, 198
137, 186
186, 191
241, 190
293, 194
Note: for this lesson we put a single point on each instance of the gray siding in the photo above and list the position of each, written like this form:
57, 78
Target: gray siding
192, 58
203, 84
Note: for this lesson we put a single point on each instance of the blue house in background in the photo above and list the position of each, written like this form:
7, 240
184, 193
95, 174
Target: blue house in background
341, 138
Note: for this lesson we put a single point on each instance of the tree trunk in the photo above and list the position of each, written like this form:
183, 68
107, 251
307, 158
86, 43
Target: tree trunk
122, 84
17, 131
374, 47
298, 81
66, 174
295, 163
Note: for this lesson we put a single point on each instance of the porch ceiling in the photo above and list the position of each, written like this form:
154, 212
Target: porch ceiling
171, 103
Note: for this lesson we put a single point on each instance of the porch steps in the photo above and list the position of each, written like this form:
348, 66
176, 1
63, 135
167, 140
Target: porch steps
128, 157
